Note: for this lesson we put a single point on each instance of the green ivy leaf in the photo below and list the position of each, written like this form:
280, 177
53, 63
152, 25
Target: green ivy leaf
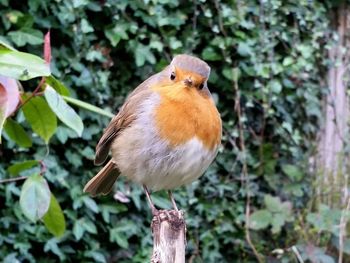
63, 111
115, 235
26, 36
275, 86
41, 118
98, 257
17, 134
117, 33
86, 27
35, 197
143, 54
112, 209
273, 204
20, 65
210, 54
287, 61
293, 172
161, 202
89, 226
91, 204
78, 230
25, 21
174, 43
244, 49
228, 73
260, 219
14, 16
63, 133
54, 218
278, 220
16, 168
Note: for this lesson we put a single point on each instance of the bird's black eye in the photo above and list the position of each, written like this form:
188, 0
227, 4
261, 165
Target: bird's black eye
172, 76
201, 86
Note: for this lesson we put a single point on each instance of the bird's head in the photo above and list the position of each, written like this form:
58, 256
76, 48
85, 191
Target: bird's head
189, 72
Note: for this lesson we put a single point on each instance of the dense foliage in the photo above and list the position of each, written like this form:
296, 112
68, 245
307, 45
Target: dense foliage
267, 60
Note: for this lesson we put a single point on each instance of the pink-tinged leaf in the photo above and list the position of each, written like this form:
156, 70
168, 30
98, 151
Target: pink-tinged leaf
3, 107
12, 94
47, 48
3, 97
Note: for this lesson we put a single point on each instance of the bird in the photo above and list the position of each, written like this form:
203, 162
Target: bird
165, 135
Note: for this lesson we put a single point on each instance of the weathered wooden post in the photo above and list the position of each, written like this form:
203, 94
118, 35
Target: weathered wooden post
169, 237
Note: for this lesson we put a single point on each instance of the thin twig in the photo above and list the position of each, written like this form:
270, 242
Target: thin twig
9, 180
43, 169
342, 230
297, 254
194, 18
221, 26
245, 176
32, 95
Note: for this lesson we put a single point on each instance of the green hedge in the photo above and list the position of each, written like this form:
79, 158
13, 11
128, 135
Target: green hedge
266, 55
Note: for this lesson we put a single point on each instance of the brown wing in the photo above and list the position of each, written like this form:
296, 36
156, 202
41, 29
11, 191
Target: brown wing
124, 118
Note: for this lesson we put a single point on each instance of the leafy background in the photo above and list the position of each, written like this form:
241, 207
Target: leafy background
268, 63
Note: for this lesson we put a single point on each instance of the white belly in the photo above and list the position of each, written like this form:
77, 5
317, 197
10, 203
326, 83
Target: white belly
146, 159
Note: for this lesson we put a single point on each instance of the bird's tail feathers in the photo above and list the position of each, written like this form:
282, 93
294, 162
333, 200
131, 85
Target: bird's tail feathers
103, 182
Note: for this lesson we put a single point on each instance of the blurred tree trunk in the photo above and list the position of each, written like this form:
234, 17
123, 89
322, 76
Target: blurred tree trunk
333, 159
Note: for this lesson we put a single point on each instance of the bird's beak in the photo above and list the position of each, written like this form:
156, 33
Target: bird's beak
188, 82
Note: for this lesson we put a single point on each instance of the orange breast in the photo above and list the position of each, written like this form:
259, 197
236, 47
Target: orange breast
185, 113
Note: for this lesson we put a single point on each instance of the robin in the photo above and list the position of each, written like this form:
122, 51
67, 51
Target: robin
165, 135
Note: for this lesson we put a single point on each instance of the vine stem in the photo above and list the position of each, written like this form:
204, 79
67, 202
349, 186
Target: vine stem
43, 169
245, 177
32, 95
9, 180
342, 230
